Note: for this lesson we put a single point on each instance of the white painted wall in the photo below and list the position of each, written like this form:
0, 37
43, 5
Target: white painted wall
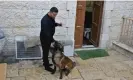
23, 18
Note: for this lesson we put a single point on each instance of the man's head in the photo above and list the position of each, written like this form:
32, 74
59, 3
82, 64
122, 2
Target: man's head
53, 12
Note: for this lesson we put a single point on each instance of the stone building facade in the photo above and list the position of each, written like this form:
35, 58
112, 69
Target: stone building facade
23, 18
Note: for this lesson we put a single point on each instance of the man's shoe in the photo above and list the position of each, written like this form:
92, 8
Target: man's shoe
49, 69
50, 64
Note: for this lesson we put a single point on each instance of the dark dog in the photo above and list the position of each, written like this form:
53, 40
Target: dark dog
64, 63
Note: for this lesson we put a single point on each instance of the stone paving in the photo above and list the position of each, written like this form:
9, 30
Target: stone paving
113, 67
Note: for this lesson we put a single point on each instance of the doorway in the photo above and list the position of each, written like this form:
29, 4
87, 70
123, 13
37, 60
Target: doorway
88, 23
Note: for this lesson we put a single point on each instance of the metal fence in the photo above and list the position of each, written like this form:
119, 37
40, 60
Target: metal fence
126, 35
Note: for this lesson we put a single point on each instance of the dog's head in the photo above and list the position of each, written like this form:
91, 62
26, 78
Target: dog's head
70, 68
57, 46
74, 64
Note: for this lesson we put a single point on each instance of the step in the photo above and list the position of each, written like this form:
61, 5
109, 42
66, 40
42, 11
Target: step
123, 49
3, 68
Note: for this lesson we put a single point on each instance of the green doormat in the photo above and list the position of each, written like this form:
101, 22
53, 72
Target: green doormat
86, 54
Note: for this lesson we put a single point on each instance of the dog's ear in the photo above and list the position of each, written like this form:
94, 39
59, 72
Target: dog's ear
74, 64
62, 52
56, 42
60, 45
52, 44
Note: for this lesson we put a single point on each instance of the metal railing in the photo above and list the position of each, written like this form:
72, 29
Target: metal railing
126, 35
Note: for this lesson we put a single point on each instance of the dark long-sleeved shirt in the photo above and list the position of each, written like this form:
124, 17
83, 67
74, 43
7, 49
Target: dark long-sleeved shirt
48, 25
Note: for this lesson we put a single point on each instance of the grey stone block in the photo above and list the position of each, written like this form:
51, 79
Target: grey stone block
71, 5
109, 5
32, 41
25, 5
61, 5
120, 5
72, 14
2, 42
66, 42
61, 31
107, 14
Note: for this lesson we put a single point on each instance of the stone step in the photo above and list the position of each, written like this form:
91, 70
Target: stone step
123, 49
3, 68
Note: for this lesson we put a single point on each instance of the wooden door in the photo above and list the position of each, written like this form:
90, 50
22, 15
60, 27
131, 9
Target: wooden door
96, 22
79, 26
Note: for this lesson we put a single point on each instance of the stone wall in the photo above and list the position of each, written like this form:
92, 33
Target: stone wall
112, 20
23, 18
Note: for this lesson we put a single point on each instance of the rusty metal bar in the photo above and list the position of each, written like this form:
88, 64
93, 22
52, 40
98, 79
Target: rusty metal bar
120, 39
128, 24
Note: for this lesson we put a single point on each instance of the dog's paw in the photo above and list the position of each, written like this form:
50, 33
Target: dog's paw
60, 78
67, 74
52, 72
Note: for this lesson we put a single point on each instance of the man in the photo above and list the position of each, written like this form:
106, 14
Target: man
48, 25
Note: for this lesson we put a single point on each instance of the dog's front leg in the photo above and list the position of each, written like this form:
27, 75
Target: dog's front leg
67, 72
61, 73
54, 69
53, 56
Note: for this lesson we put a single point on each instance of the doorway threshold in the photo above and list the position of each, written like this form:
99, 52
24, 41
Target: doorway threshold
87, 46
92, 48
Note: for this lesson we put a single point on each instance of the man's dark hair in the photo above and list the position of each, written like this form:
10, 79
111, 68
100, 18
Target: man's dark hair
54, 9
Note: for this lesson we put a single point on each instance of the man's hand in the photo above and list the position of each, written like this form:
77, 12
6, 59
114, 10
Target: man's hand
59, 24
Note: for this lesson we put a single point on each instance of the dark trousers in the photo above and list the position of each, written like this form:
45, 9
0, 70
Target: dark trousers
45, 43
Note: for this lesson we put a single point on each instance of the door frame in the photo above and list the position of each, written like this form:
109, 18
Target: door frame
83, 26
79, 23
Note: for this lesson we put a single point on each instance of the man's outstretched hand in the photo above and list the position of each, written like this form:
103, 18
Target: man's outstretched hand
59, 24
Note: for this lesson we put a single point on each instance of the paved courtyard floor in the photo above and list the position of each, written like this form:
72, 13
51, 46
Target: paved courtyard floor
113, 67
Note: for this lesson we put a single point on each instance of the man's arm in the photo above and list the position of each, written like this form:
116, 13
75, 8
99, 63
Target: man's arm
58, 24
